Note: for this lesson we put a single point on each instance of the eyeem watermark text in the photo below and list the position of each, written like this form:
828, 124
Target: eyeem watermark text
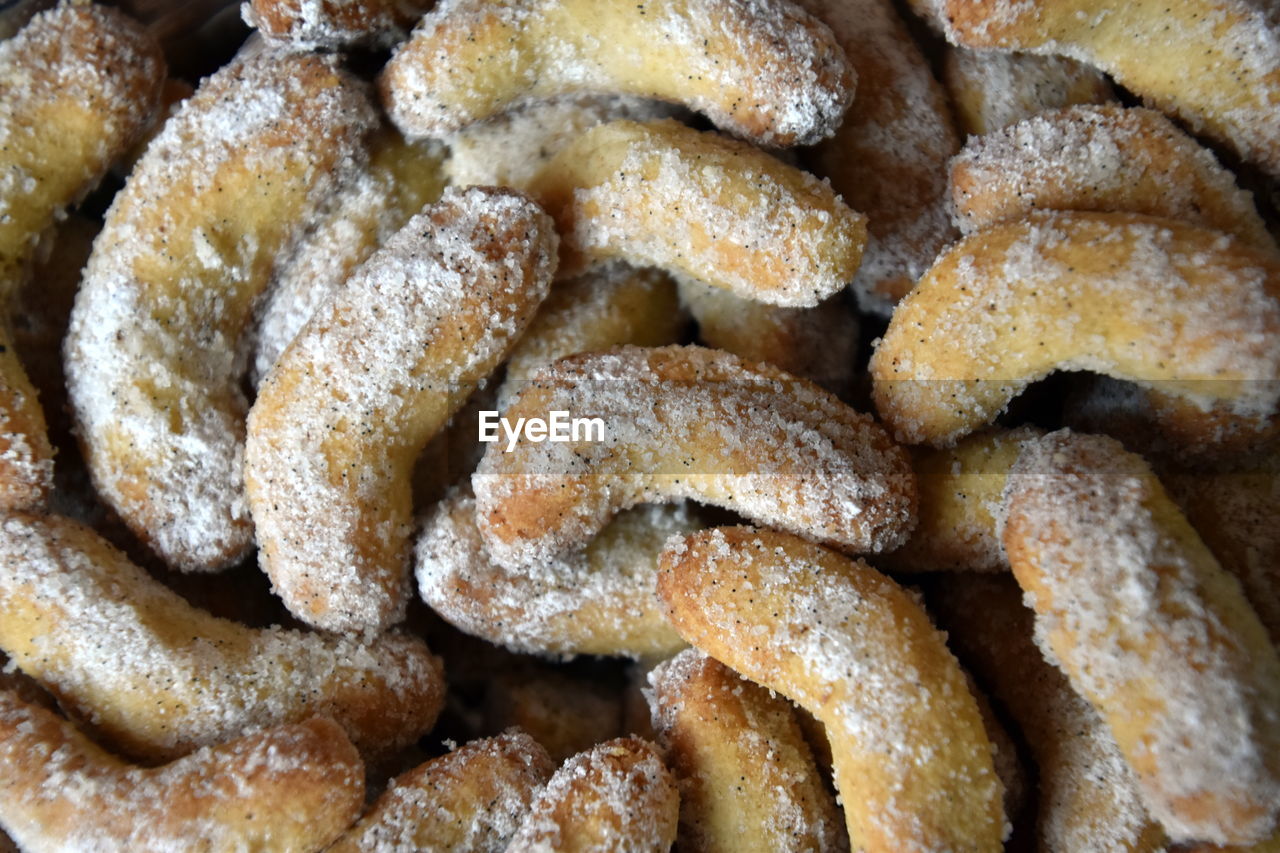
558, 427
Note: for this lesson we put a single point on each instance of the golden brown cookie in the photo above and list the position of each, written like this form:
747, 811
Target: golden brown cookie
689, 422
1190, 315
153, 354
616, 796
701, 206
763, 70
913, 762
287, 788
381, 368
1148, 627
151, 675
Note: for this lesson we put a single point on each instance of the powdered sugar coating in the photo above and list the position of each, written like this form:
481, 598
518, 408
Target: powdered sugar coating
288, 788
154, 352
366, 384
26, 456
1131, 605
703, 206
913, 763
1213, 63
471, 799
1088, 797
688, 422
78, 85
510, 149
761, 69
306, 24
1099, 158
157, 678
598, 601
372, 205
887, 159
1191, 314
617, 795
747, 778
991, 89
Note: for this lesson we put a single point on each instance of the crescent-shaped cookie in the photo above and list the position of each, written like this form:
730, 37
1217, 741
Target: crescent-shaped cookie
1190, 315
334, 23
1105, 158
78, 85
701, 206
618, 795
1134, 608
400, 178
153, 355
761, 69
155, 677
748, 781
1215, 64
600, 601
470, 800
339, 421
288, 788
688, 422
1087, 796
888, 158
913, 762
992, 89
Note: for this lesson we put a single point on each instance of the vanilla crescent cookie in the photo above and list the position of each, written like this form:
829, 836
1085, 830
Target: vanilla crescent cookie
913, 762
1105, 158
78, 85
154, 356
761, 69
700, 205
1134, 608
888, 158
618, 795
747, 779
1190, 315
368, 381
149, 674
1087, 795
400, 178
600, 601
288, 788
470, 800
1215, 64
689, 422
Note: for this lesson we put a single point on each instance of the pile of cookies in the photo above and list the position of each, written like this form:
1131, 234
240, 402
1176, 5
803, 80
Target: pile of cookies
597, 425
